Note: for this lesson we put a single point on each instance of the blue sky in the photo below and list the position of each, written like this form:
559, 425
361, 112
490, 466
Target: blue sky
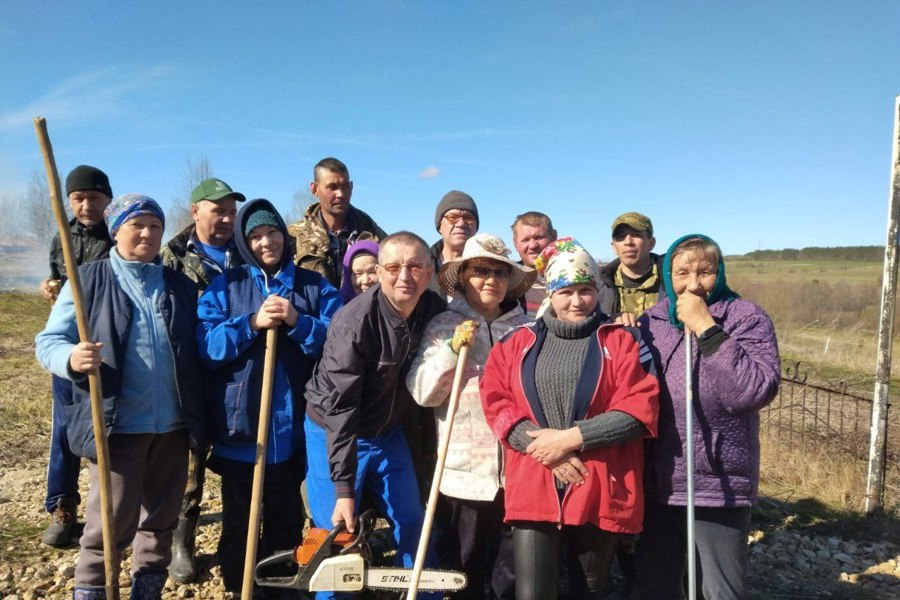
762, 124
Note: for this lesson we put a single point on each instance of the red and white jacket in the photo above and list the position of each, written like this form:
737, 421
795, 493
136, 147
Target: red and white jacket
617, 375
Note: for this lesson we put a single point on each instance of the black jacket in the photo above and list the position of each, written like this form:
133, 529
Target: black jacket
608, 296
359, 386
88, 244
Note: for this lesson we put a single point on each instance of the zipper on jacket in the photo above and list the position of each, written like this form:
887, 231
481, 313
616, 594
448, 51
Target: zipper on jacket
384, 425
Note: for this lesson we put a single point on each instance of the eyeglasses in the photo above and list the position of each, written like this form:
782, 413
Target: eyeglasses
485, 273
414, 269
467, 218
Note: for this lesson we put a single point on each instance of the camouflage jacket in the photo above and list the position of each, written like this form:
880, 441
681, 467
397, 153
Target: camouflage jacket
182, 254
313, 243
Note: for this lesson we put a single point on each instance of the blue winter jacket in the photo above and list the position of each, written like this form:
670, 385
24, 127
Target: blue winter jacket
236, 353
110, 314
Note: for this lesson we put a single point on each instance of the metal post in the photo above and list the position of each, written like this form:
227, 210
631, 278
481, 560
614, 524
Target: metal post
689, 455
878, 433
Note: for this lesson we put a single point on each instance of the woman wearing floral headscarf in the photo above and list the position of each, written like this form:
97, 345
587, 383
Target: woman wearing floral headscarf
736, 373
570, 400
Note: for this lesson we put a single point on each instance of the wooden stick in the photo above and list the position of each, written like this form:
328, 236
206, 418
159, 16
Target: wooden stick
259, 468
438, 473
84, 334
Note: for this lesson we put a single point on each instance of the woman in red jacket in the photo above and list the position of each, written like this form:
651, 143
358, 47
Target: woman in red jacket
571, 397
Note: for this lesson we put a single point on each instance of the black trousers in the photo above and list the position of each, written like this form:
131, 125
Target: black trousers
538, 548
282, 515
482, 545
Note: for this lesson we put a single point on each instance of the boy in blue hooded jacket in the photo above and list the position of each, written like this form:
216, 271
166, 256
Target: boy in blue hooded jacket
268, 291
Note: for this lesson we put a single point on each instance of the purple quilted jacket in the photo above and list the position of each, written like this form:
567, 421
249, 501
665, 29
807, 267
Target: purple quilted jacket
730, 388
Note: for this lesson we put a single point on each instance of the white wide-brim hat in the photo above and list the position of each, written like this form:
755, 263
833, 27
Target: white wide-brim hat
486, 245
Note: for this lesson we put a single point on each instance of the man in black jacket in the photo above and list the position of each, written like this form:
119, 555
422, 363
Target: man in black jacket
89, 194
631, 283
357, 399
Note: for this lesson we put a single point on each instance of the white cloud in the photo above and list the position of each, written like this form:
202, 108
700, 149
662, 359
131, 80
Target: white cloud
430, 172
98, 92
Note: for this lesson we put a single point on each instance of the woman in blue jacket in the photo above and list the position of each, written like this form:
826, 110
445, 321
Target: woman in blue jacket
268, 291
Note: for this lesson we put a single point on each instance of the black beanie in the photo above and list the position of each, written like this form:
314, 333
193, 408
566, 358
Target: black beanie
454, 200
259, 217
84, 178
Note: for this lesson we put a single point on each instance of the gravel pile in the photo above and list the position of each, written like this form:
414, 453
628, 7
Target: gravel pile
783, 564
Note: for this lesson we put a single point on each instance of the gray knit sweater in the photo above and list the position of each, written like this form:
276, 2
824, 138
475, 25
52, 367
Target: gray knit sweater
557, 370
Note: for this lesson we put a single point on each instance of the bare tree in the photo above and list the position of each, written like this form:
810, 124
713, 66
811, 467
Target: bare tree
196, 169
11, 224
301, 200
39, 212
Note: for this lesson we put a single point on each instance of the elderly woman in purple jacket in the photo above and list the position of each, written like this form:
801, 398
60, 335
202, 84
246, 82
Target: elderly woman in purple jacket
735, 374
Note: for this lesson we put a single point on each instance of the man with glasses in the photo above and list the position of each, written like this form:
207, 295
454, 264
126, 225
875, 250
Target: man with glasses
331, 224
357, 399
456, 219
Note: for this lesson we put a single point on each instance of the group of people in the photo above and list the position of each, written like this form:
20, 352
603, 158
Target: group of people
566, 452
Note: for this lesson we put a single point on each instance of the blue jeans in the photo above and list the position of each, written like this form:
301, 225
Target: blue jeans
63, 466
385, 471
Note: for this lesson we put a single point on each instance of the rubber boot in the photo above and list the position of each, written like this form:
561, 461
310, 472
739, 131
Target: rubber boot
64, 518
183, 568
89, 593
148, 585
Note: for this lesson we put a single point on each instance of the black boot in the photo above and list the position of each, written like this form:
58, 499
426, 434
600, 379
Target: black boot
183, 568
61, 530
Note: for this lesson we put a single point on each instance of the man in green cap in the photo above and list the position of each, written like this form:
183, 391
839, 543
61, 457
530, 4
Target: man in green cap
630, 284
201, 251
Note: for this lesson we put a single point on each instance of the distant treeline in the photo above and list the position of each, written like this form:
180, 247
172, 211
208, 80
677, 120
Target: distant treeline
875, 253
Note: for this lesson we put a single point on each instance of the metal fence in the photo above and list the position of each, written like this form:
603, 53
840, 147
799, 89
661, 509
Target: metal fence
809, 415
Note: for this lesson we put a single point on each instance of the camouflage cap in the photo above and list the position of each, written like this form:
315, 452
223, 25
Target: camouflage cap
635, 220
214, 190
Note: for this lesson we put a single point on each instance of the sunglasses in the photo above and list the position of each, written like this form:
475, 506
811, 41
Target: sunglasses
467, 219
414, 269
485, 273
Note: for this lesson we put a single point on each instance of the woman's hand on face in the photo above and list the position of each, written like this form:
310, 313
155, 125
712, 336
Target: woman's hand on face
551, 445
570, 469
693, 312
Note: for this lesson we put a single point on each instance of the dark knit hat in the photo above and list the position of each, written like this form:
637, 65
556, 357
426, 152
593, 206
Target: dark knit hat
86, 178
455, 200
259, 217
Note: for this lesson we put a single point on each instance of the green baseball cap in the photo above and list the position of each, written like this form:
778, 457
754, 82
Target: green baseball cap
635, 220
213, 189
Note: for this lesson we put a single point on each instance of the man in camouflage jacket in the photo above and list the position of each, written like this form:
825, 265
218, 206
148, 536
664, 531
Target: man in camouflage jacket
330, 225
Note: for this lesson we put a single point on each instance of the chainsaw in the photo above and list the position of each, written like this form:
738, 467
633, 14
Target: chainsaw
337, 560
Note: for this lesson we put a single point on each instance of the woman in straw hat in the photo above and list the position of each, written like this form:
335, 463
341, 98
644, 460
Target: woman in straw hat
571, 398
485, 286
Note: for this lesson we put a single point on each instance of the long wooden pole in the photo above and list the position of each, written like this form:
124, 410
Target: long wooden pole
422, 550
84, 334
259, 468
878, 434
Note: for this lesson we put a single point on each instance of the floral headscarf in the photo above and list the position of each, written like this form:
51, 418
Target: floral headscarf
565, 262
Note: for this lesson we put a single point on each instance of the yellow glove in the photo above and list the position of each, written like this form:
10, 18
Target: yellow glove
464, 335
